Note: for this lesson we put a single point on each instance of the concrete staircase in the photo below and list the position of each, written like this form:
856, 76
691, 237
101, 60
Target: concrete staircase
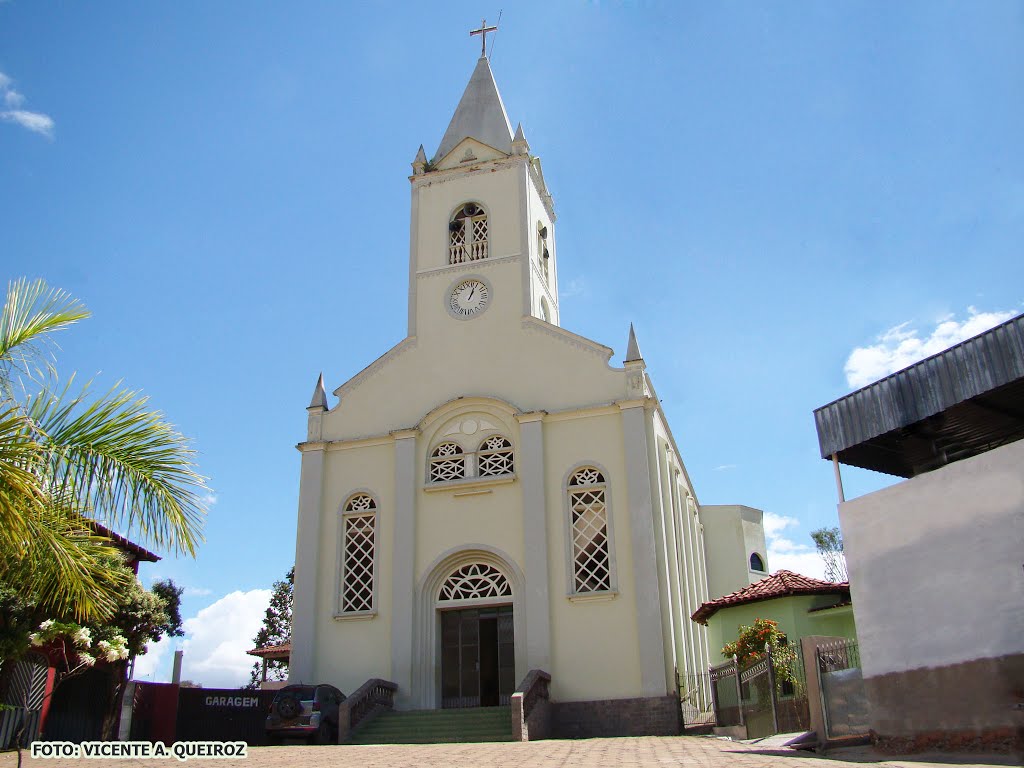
437, 726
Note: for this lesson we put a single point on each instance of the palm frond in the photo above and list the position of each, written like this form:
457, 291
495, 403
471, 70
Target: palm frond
32, 311
64, 565
116, 456
21, 490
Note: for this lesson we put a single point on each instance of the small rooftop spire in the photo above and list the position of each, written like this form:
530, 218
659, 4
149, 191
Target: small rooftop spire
633, 349
520, 146
419, 163
319, 399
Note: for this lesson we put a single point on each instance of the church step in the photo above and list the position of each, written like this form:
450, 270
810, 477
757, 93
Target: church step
438, 726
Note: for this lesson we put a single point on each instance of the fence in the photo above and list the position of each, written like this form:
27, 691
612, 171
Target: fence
23, 702
843, 700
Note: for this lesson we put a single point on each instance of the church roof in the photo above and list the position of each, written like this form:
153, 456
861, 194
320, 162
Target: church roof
780, 584
282, 651
480, 114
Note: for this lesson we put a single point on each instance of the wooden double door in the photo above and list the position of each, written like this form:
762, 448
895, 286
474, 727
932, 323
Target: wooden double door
477, 657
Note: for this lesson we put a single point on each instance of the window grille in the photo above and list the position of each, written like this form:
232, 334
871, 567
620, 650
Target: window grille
495, 457
475, 581
756, 563
447, 462
589, 516
360, 522
468, 235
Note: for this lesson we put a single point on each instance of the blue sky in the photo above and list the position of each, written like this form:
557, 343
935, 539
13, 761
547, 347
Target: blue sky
786, 199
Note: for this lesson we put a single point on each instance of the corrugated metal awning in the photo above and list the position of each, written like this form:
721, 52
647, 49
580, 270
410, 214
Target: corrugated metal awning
955, 404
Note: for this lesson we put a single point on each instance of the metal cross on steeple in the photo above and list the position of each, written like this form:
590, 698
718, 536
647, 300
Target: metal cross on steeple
484, 29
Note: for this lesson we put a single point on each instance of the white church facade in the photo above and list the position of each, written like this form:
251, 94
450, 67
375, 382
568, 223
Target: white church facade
493, 495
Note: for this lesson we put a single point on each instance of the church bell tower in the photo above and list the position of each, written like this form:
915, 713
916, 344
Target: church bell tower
482, 242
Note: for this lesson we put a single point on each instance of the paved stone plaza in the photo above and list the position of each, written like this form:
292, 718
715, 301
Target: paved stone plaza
645, 752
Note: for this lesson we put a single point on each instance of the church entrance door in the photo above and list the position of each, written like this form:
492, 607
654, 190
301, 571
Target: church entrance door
477, 657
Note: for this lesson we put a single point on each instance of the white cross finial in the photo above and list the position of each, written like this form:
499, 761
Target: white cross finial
484, 29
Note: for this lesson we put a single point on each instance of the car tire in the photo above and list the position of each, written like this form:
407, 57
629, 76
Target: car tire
288, 707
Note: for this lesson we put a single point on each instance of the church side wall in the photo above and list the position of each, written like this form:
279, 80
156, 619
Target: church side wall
592, 630
936, 580
350, 651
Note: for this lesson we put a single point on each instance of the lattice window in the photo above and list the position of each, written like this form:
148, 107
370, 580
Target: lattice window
447, 462
475, 581
360, 523
495, 457
592, 571
468, 234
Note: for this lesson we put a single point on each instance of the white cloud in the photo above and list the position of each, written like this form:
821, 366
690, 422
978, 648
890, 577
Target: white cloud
902, 345
147, 666
724, 467
197, 592
786, 554
219, 635
575, 287
36, 122
209, 500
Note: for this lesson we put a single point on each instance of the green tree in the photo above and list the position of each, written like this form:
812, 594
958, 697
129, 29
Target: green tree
276, 629
69, 456
829, 542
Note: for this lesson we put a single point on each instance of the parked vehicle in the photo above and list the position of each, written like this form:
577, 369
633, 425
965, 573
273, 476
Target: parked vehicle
305, 711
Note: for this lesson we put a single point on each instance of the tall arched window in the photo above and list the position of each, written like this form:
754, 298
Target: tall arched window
467, 234
588, 511
359, 529
495, 457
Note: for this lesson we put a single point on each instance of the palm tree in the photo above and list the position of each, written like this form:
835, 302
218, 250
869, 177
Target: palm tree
67, 458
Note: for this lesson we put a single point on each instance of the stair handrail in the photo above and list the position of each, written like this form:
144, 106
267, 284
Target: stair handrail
364, 703
534, 689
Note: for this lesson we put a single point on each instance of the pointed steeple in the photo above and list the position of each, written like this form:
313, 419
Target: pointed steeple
480, 114
633, 349
319, 399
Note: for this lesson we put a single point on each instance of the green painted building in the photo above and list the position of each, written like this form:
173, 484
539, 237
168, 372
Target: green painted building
800, 605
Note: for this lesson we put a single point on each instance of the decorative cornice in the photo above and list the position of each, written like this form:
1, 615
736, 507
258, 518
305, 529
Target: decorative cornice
409, 342
484, 166
532, 416
530, 323
469, 265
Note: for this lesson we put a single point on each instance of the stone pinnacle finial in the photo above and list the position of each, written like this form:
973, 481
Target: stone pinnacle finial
419, 163
633, 349
319, 399
520, 146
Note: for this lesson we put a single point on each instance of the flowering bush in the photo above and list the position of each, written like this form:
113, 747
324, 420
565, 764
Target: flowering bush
749, 647
79, 649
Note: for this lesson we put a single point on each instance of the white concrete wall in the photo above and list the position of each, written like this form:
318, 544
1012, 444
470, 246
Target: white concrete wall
935, 565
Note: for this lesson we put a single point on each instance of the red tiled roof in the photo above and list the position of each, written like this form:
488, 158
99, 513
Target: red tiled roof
282, 651
124, 544
779, 584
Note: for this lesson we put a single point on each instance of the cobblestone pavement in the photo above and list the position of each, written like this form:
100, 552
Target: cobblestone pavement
645, 752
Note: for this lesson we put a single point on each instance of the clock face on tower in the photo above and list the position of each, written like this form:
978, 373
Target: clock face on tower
469, 298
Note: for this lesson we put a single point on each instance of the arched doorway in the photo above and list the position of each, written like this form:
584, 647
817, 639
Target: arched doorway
477, 638
469, 634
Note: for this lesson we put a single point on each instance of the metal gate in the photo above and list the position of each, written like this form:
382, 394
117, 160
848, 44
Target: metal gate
843, 700
231, 714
